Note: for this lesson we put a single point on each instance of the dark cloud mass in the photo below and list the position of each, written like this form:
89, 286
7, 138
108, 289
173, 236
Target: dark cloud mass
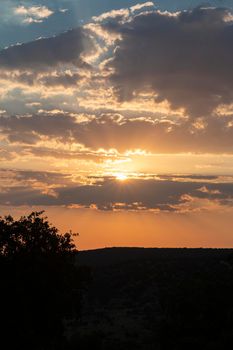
186, 58
108, 131
109, 194
65, 48
66, 80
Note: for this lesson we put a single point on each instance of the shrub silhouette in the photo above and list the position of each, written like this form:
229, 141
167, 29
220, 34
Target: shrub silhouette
41, 286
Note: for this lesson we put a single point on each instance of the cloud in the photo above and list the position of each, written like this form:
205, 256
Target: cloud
32, 14
144, 5
65, 79
28, 177
41, 182
6, 155
111, 131
19, 127
66, 48
182, 57
20, 14
154, 194
116, 14
78, 154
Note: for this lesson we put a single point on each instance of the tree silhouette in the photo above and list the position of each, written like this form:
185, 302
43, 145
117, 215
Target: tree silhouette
41, 285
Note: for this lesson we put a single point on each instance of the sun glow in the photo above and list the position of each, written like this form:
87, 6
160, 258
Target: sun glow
121, 177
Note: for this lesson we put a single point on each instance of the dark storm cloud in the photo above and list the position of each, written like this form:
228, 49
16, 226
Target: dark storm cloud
65, 48
186, 58
110, 194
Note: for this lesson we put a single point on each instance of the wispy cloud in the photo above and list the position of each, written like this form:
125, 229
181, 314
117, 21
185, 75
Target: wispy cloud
33, 14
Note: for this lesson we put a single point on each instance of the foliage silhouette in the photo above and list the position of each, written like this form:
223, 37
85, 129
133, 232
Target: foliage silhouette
41, 285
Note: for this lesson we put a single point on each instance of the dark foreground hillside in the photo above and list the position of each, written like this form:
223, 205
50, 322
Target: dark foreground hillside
157, 299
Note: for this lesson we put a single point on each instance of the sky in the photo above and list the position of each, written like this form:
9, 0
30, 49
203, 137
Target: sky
116, 118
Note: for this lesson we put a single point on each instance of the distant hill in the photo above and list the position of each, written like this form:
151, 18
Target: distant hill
157, 299
109, 256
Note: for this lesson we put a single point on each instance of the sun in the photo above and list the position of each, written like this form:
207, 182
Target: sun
121, 177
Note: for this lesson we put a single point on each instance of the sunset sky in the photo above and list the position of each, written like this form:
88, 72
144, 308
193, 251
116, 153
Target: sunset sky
116, 118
